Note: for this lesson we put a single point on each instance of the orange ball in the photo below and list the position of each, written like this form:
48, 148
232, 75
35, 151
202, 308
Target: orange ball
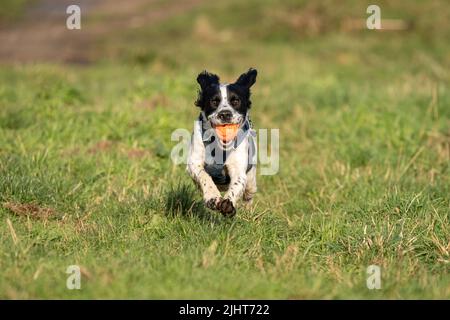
227, 132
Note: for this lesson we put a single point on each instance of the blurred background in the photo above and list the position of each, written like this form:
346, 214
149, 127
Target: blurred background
171, 33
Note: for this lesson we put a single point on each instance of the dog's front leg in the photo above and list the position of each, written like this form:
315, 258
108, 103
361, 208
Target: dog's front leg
196, 169
211, 195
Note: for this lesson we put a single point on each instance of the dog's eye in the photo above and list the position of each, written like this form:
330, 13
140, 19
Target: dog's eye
215, 102
235, 102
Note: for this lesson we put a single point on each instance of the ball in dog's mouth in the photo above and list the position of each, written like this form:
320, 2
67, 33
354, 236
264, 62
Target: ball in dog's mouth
227, 132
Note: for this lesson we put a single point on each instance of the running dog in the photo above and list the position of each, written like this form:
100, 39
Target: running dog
222, 153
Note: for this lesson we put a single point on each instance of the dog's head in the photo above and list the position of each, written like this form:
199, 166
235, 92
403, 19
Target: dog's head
225, 103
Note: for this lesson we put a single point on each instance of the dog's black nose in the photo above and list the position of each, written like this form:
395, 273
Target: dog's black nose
225, 115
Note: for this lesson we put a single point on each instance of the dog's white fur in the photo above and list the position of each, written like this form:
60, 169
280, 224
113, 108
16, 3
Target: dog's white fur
242, 183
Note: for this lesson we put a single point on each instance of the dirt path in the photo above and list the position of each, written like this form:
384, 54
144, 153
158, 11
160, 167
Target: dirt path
42, 34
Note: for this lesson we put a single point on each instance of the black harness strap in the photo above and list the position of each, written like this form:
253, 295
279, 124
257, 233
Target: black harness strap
215, 164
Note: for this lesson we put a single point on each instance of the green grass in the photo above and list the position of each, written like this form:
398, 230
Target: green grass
364, 163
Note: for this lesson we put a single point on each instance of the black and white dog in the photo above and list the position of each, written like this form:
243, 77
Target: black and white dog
217, 165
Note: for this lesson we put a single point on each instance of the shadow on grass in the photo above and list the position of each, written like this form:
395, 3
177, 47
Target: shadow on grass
180, 200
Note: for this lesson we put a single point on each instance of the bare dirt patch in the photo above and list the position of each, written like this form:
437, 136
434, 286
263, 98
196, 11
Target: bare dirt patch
101, 146
42, 36
31, 210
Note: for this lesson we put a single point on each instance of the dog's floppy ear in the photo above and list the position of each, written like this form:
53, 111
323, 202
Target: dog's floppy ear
247, 79
206, 79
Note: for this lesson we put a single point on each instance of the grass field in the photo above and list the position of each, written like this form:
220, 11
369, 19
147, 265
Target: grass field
364, 116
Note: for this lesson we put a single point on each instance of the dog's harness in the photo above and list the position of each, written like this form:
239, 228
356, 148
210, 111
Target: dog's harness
216, 153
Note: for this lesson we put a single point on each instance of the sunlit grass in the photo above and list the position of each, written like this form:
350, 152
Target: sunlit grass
364, 169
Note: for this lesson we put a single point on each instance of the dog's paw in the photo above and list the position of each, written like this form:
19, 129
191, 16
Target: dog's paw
212, 203
248, 196
248, 204
226, 207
